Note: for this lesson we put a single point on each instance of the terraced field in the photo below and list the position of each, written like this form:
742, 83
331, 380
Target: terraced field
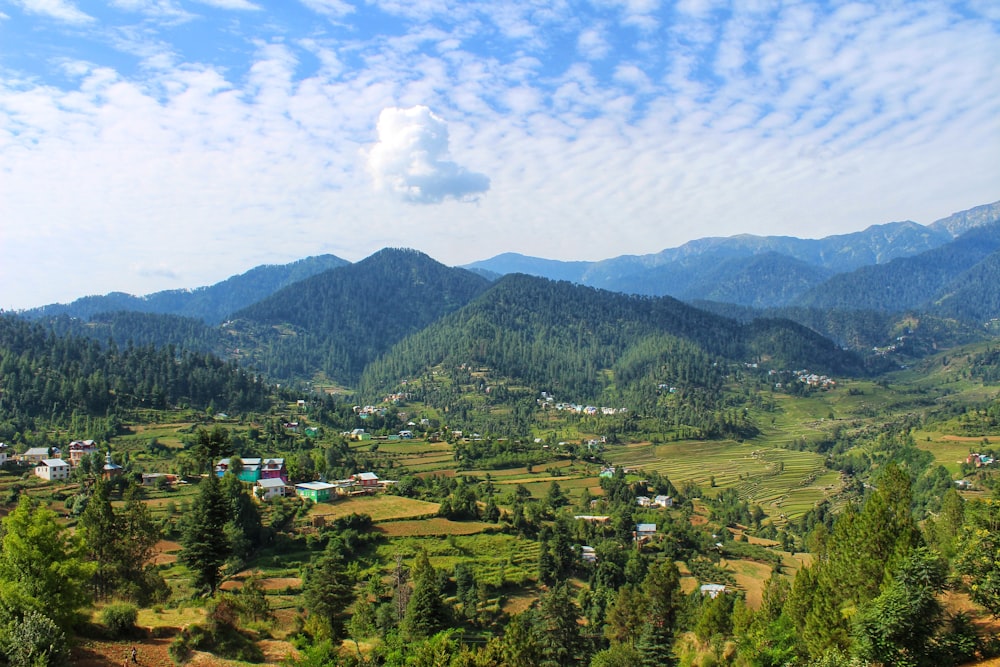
784, 482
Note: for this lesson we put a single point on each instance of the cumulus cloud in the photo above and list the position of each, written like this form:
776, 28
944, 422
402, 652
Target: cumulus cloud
57, 9
409, 159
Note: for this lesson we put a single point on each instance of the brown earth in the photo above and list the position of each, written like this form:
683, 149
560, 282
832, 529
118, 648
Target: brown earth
153, 652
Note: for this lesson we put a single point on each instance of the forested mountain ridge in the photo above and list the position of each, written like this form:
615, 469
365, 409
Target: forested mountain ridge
212, 304
337, 322
562, 337
909, 282
61, 379
691, 271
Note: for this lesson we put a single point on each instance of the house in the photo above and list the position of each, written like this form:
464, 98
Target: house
37, 454
663, 501
317, 492
111, 469
367, 480
712, 590
273, 469
644, 531
587, 554
265, 489
592, 518
360, 434
151, 478
406, 434
643, 501
4, 453
253, 469
52, 470
80, 449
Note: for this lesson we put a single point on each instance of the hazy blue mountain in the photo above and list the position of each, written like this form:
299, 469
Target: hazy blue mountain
693, 269
211, 304
972, 296
909, 282
961, 222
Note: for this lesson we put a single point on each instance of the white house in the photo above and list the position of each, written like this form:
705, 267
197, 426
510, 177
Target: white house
37, 454
270, 488
52, 469
4, 453
663, 501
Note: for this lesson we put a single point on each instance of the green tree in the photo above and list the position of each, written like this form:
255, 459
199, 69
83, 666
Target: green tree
556, 631
662, 587
43, 562
205, 545
327, 590
425, 612
979, 552
121, 543
897, 626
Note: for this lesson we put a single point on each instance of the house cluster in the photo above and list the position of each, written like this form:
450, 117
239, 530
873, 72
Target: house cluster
368, 410
396, 398
814, 380
50, 465
269, 478
658, 501
548, 401
360, 483
979, 460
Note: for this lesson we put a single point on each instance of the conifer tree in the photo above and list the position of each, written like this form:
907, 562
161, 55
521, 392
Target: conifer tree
328, 590
205, 543
425, 612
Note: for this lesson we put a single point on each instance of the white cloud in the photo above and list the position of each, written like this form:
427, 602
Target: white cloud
239, 5
331, 8
61, 10
592, 45
409, 159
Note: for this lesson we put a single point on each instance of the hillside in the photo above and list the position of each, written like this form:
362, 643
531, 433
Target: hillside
211, 304
910, 282
337, 322
583, 344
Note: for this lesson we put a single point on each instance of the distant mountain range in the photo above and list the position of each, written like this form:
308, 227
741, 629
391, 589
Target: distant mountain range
210, 304
898, 286
759, 271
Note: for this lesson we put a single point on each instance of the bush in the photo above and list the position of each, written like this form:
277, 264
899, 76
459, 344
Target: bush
119, 618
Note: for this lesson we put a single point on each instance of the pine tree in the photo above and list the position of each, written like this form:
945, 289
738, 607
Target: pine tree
205, 544
328, 590
425, 612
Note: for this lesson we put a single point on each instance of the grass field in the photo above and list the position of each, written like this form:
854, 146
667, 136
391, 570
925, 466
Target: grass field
379, 507
432, 526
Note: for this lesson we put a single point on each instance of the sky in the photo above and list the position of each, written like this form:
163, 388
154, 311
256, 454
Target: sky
162, 144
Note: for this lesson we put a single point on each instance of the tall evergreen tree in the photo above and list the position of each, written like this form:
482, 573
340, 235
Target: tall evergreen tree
425, 612
328, 591
205, 543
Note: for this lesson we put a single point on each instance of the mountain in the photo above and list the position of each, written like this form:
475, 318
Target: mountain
693, 270
212, 304
972, 296
906, 283
337, 322
580, 341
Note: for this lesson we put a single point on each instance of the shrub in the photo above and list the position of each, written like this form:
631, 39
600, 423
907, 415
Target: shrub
119, 618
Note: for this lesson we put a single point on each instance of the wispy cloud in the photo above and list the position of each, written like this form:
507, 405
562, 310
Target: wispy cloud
240, 5
600, 134
61, 10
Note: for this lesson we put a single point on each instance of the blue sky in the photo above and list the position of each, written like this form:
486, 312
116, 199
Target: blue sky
160, 144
